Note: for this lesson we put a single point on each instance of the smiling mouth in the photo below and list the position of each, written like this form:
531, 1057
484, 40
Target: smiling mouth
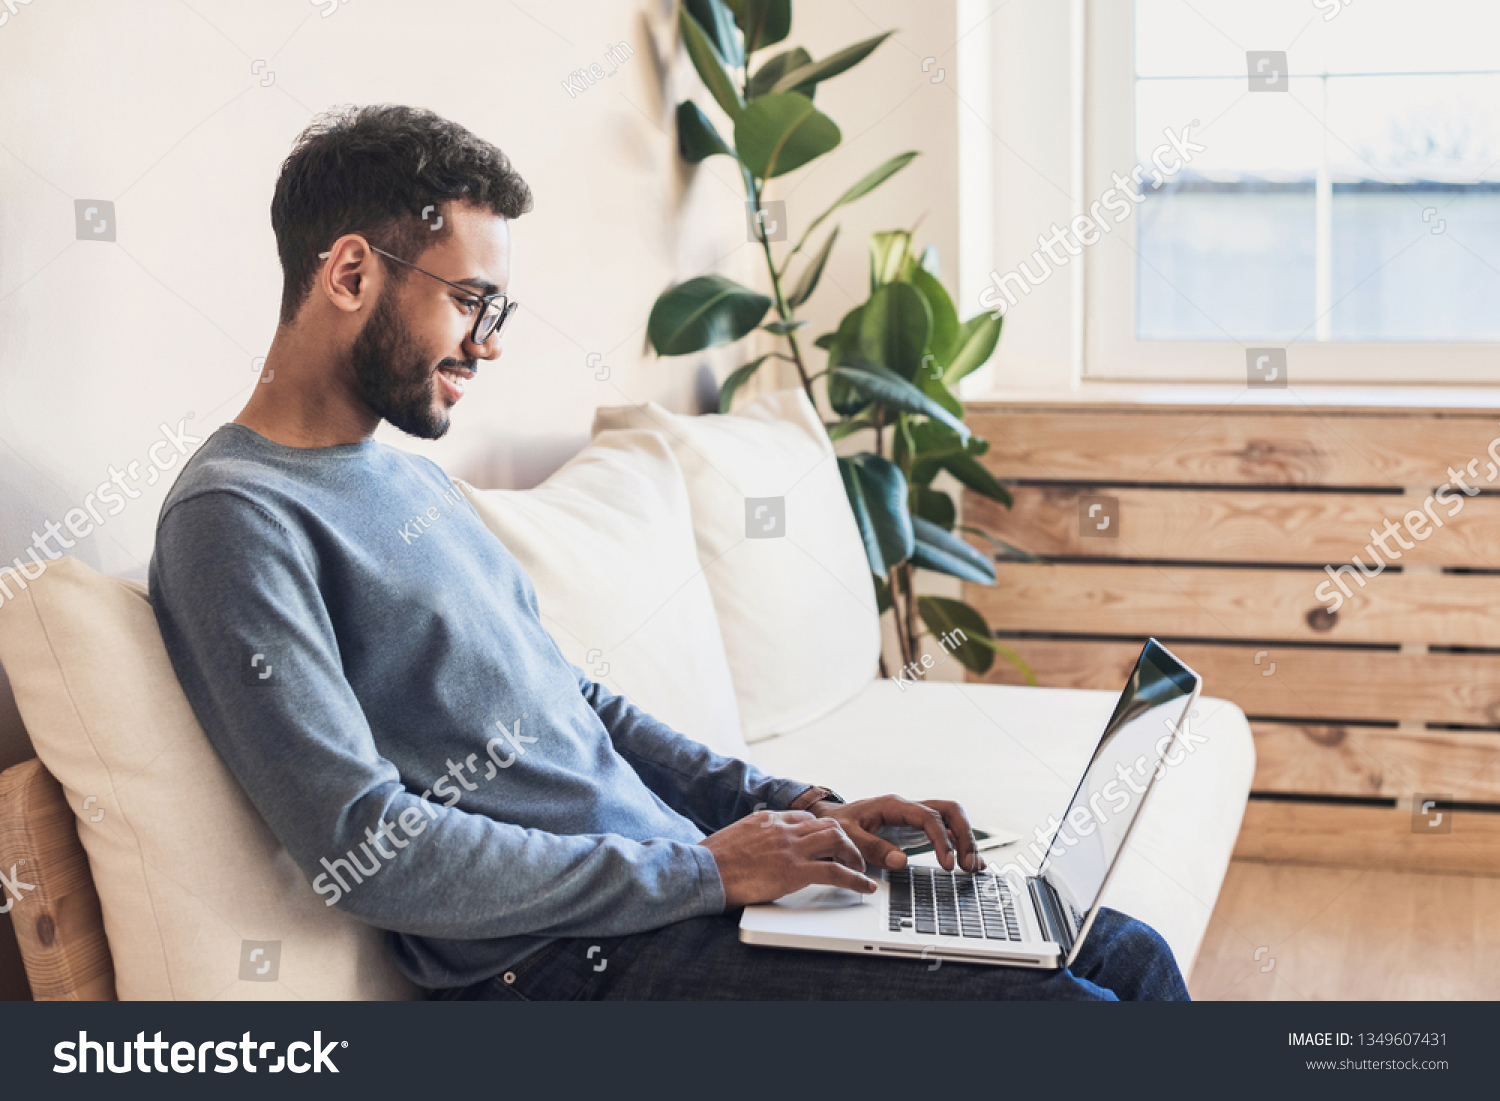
454, 380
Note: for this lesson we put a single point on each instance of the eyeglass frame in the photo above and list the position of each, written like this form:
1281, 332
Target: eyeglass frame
484, 300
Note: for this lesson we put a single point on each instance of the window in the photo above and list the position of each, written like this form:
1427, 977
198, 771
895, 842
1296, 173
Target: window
1341, 200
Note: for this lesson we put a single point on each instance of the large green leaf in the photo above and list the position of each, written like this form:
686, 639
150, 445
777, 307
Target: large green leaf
894, 327
868, 183
935, 505
775, 67
832, 65
710, 65
881, 384
939, 549
973, 645
843, 398
976, 342
943, 617
737, 378
938, 392
877, 494
1001, 548
782, 131
842, 429
812, 272
967, 470
702, 313
765, 22
718, 24
696, 136
945, 329
890, 251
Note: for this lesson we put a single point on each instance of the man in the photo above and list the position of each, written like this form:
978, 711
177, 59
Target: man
395, 709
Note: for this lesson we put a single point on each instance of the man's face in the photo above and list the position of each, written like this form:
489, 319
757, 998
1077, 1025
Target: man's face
415, 352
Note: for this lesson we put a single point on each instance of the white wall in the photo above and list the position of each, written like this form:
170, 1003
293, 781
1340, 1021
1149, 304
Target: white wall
160, 107
155, 107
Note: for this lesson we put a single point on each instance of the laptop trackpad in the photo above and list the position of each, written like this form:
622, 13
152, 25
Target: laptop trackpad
817, 896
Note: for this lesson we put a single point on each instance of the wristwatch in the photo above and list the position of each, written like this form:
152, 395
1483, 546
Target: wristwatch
815, 795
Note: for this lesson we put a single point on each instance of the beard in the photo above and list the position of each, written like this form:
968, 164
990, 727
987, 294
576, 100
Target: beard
395, 377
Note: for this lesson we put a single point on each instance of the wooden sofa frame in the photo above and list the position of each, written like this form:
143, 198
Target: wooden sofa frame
59, 924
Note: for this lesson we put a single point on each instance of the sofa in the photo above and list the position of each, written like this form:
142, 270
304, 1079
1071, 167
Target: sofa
708, 568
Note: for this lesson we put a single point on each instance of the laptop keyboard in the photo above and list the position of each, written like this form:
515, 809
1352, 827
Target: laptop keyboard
952, 904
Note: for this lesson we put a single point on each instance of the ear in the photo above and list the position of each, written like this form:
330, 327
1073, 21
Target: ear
349, 277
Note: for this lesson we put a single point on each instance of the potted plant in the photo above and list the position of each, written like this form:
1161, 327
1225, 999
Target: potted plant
893, 362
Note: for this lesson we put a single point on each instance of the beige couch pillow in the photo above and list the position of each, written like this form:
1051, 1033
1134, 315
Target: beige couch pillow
608, 543
200, 900
783, 557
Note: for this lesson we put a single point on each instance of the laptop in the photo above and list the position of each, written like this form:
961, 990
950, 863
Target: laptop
1035, 910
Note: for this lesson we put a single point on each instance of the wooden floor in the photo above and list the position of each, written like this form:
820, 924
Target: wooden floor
1285, 932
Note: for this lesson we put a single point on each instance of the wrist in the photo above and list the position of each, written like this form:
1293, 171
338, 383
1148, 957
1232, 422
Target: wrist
816, 800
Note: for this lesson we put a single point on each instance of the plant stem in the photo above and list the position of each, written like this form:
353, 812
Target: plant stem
781, 306
911, 609
893, 582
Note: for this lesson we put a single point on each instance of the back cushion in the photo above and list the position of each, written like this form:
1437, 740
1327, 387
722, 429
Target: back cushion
191, 880
608, 543
778, 544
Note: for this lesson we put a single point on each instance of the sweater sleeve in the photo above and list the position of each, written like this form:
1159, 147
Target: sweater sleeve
236, 594
701, 785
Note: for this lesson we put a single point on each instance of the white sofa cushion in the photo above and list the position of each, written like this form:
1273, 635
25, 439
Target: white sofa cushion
186, 869
608, 543
797, 612
1012, 756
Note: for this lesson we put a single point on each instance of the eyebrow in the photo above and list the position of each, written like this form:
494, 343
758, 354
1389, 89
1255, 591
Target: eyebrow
483, 286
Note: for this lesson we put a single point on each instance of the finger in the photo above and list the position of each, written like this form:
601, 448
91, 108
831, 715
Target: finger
929, 821
834, 844
876, 850
962, 832
836, 875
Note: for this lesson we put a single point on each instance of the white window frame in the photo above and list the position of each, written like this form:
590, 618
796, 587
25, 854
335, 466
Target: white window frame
1105, 39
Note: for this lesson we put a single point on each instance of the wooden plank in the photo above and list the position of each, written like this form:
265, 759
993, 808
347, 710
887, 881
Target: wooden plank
1438, 609
1224, 446
58, 924
1250, 526
1367, 837
1353, 760
1289, 682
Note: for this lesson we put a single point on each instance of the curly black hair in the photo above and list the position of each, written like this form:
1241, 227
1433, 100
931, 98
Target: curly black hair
374, 170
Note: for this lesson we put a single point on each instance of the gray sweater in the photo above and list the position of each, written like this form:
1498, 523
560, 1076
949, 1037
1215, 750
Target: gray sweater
368, 660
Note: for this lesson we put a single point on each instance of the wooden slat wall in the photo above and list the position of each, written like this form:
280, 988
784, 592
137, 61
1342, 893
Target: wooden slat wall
1227, 516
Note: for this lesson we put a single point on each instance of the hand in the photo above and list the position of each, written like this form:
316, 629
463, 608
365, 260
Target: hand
944, 822
769, 854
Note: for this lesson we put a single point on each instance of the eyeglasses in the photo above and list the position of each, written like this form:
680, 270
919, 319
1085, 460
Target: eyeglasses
494, 309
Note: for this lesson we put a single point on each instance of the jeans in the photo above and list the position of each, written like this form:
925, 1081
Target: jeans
702, 959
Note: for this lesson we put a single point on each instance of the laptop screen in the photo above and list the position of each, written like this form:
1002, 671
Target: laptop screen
1139, 735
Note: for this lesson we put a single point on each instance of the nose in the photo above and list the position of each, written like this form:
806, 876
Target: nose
490, 349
